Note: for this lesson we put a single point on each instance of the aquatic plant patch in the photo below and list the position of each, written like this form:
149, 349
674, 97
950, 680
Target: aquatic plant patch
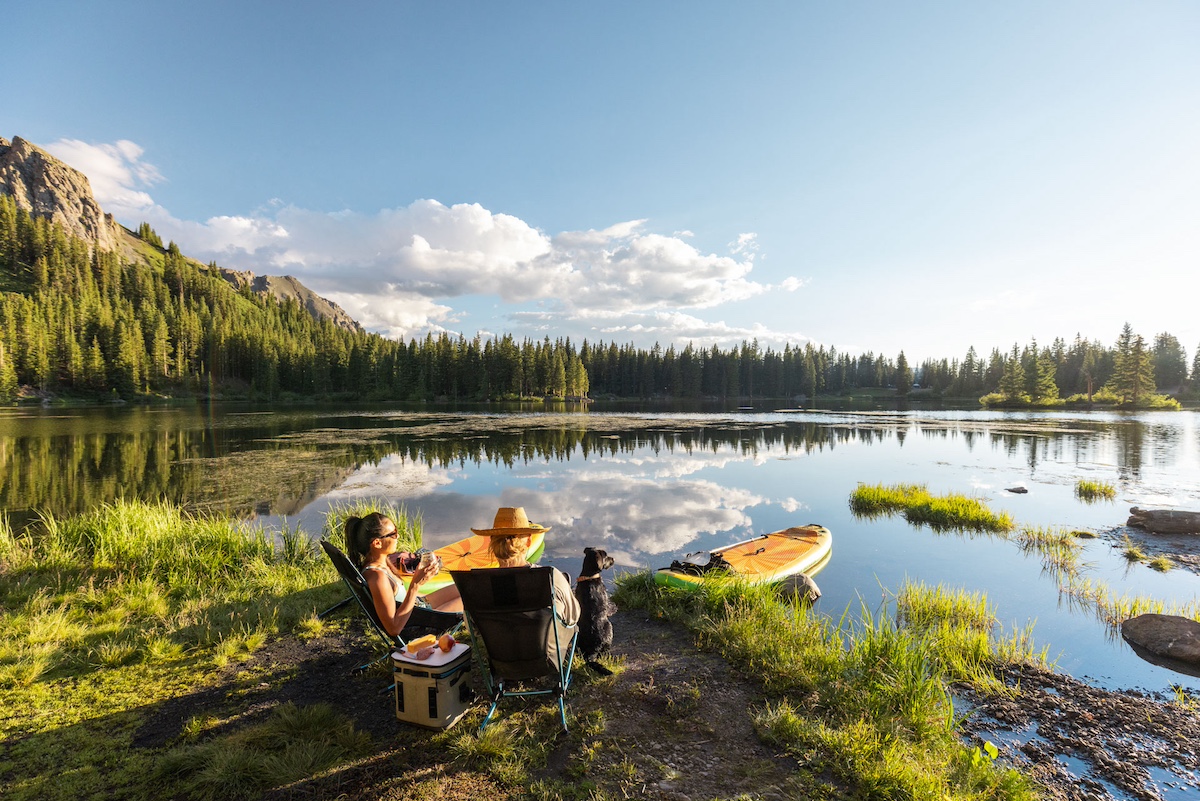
951, 512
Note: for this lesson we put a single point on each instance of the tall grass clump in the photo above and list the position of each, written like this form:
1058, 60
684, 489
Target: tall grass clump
1058, 547
1113, 609
964, 634
951, 512
1090, 491
872, 501
408, 527
867, 699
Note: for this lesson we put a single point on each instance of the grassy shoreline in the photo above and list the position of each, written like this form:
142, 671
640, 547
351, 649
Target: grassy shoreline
110, 612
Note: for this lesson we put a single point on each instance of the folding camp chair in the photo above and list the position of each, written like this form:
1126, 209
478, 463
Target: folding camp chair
516, 634
421, 621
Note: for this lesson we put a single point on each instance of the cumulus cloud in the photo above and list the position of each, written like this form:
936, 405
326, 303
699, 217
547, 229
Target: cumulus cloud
407, 270
116, 172
671, 326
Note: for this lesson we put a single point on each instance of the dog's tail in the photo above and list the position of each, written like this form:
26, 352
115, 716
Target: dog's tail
597, 668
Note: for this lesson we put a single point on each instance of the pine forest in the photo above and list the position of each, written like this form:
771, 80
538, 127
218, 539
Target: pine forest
84, 324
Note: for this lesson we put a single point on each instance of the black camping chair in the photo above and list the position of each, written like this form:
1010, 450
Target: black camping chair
421, 621
510, 613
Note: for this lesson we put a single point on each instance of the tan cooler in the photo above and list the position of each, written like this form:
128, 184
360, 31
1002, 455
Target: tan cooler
433, 692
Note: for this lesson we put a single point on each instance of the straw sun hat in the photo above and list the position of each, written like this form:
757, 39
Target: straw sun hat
510, 521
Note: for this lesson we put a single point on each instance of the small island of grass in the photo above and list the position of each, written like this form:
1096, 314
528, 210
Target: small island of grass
951, 512
1088, 490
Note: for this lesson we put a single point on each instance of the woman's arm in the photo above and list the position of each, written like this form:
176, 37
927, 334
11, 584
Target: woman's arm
393, 615
565, 602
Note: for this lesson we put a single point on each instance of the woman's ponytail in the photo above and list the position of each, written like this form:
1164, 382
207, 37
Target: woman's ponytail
354, 545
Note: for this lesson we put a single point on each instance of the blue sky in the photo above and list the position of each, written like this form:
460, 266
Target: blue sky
869, 176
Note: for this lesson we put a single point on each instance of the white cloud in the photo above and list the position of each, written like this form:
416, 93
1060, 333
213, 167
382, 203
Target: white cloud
673, 326
116, 172
399, 270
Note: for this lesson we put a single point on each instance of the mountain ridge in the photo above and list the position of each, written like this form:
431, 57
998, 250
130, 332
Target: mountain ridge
46, 187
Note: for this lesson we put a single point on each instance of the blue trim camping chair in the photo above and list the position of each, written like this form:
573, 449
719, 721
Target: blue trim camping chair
422, 621
521, 645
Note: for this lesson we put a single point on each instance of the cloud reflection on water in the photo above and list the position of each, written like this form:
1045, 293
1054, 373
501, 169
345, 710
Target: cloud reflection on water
635, 507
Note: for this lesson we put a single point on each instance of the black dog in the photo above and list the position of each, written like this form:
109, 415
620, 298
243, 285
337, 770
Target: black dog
595, 629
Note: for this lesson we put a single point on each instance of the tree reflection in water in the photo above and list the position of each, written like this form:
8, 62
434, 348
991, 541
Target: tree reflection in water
278, 461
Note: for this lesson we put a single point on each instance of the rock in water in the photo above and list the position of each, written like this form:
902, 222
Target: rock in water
1170, 636
799, 587
1165, 521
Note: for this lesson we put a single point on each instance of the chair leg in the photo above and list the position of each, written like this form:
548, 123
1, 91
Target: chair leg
488, 718
562, 712
370, 664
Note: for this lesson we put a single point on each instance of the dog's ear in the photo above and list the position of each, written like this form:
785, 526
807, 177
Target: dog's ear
589, 549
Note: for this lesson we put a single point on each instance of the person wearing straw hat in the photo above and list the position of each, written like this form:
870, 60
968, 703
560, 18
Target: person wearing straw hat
511, 535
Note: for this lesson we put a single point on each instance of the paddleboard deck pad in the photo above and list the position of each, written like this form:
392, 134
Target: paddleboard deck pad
770, 557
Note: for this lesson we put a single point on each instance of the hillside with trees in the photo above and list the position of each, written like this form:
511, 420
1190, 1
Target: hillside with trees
79, 321
93, 324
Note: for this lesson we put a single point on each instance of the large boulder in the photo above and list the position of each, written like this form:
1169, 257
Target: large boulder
1165, 521
1171, 637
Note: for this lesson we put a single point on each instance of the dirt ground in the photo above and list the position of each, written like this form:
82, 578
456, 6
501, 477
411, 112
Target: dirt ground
677, 726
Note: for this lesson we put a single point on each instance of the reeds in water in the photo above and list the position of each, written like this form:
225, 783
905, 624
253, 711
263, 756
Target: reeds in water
951, 512
1092, 491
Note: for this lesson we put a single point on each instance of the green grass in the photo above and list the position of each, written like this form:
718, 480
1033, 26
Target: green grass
1091, 491
116, 610
1160, 563
1112, 609
868, 700
951, 512
1058, 547
408, 527
293, 743
1133, 552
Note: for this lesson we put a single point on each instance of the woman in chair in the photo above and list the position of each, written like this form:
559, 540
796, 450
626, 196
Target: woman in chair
510, 537
372, 541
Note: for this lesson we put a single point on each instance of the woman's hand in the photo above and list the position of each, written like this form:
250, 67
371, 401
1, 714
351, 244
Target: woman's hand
425, 572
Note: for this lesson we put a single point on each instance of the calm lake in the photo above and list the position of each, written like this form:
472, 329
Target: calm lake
652, 486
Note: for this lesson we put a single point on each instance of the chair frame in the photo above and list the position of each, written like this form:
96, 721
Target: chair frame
421, 617
497, 687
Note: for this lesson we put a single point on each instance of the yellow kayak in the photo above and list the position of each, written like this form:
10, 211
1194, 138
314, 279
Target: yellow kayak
770, 557
471, 553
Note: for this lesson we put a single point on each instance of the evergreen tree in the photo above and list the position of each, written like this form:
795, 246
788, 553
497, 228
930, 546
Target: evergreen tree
95, 375
1133, 370
904, 376
1012, 383
1045, 389
8, 376
1170, 362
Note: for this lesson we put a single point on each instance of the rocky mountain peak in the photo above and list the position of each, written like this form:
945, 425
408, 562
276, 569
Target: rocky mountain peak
45, 187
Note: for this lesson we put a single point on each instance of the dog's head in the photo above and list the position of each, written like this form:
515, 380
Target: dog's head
595, 560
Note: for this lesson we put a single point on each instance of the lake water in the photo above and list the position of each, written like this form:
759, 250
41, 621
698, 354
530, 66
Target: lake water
651, 486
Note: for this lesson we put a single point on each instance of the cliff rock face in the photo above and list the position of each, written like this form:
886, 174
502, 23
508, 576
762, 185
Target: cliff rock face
45, 187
